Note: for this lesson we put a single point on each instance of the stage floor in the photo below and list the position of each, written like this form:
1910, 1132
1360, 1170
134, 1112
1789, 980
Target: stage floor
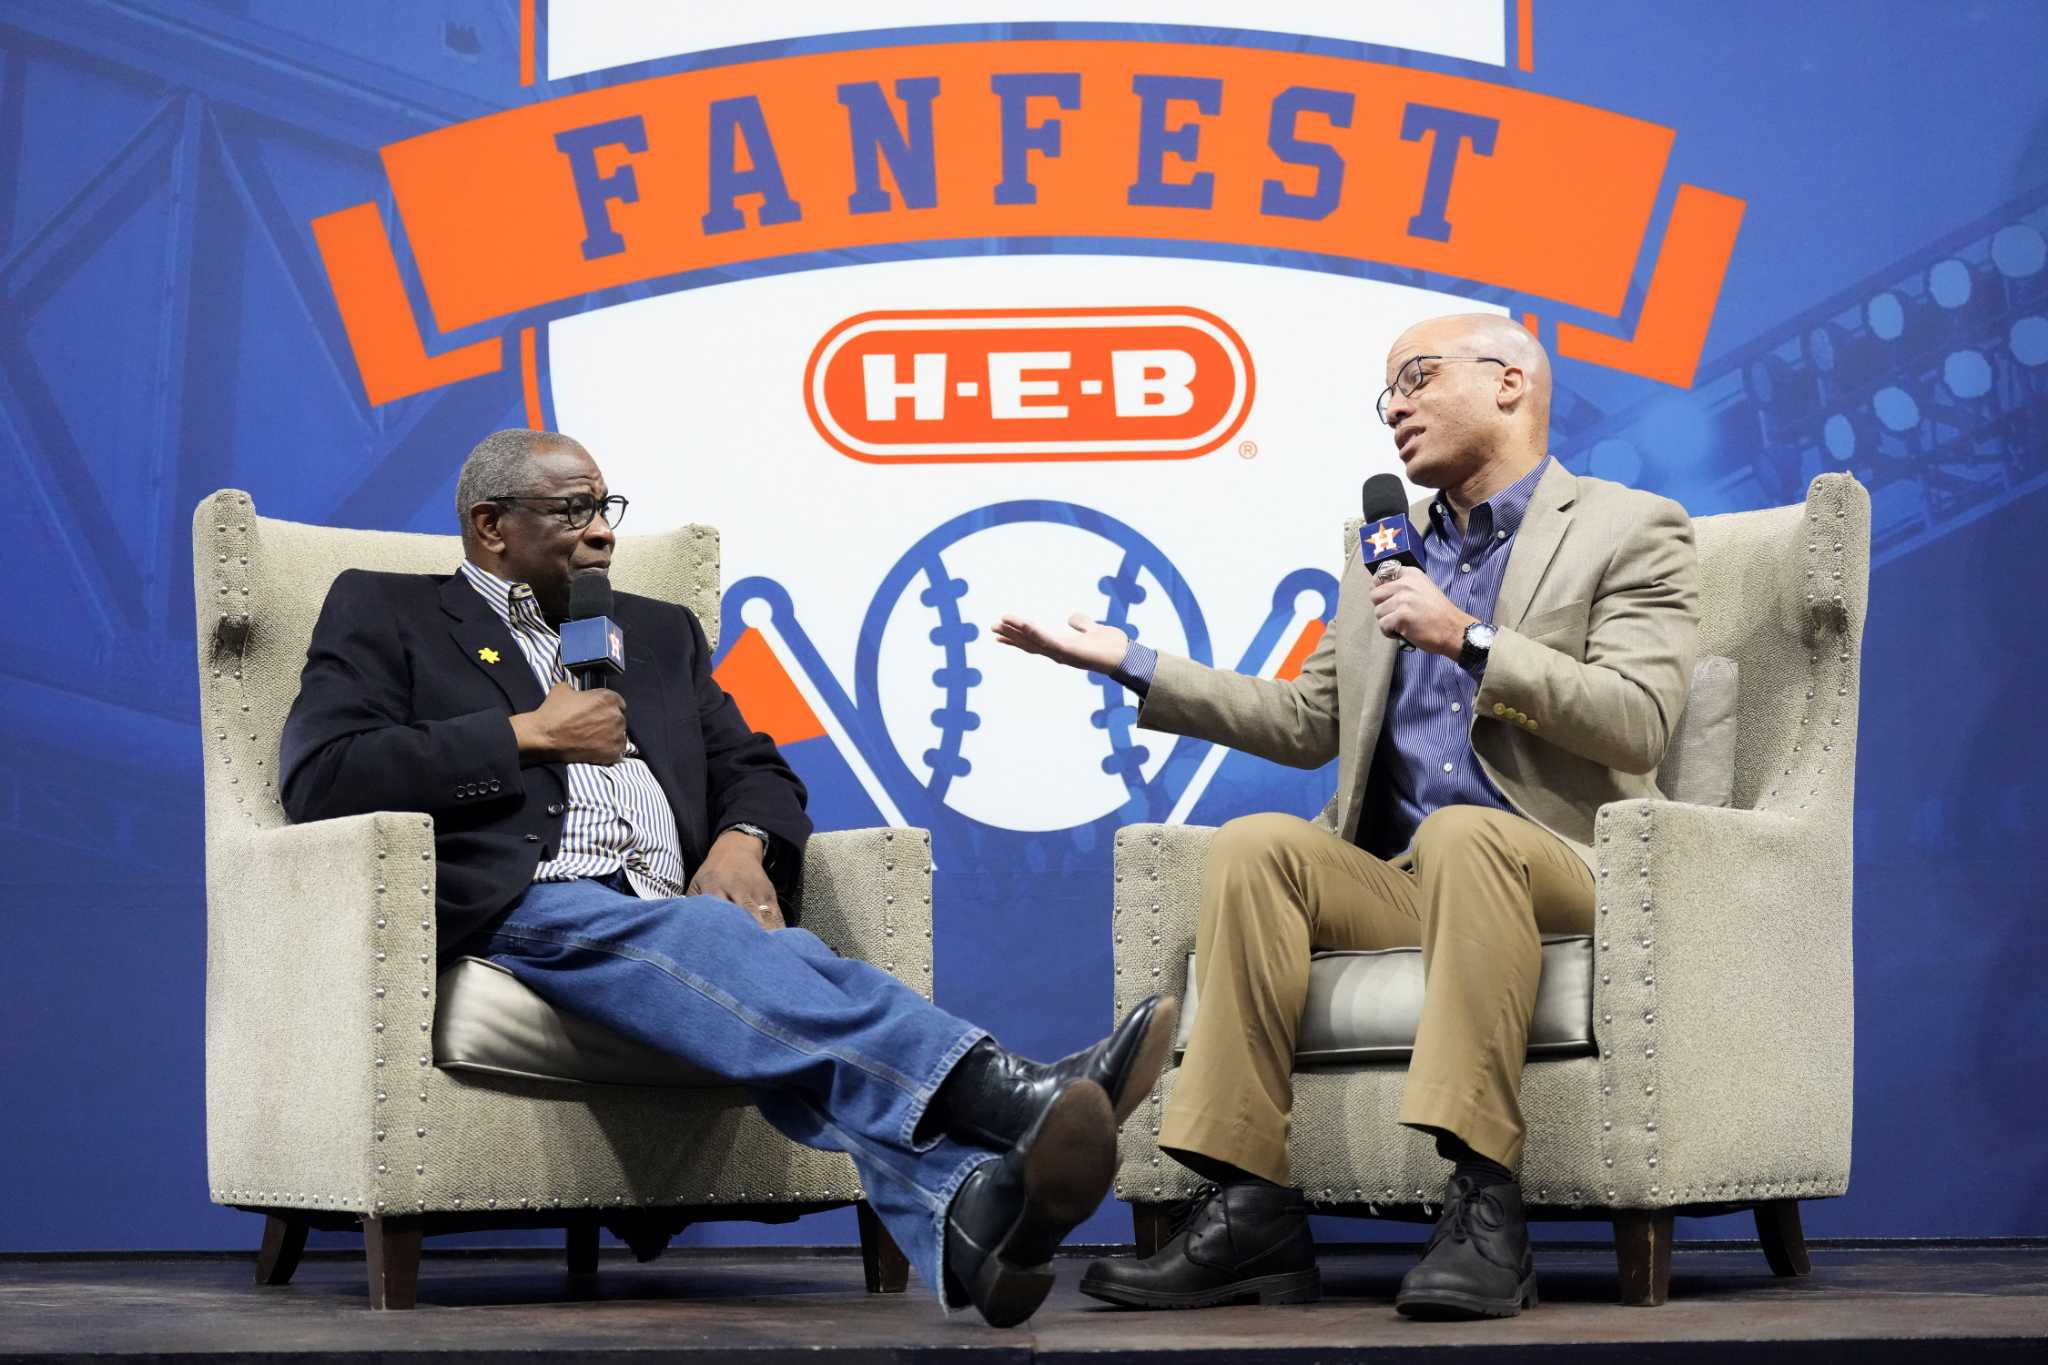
1867, 1306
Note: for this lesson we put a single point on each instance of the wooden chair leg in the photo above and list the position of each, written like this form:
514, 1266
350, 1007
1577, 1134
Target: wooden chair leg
1642, 1246
1149, 1224
284, 1241
881, 1260
583, 1246
391, 1246
1784, 1240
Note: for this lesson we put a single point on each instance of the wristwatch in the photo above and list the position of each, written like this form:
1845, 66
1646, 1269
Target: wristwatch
754, 831
1473, 654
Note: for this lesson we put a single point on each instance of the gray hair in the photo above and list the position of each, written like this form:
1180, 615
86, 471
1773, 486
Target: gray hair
494, 467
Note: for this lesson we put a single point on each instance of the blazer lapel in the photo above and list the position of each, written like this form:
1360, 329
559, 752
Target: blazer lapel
488, 644
1543, 526
1367, 656
640, 686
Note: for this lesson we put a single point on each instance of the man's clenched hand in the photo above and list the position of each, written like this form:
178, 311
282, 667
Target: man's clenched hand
1409, 606
573, 727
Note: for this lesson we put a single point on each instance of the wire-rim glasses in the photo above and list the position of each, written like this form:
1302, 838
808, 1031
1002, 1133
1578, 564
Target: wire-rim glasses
576, 510
1411, 377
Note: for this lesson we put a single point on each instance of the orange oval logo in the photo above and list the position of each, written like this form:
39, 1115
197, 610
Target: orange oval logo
1024, 384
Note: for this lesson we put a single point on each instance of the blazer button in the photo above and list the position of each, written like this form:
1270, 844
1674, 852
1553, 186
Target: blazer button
494, 784
555, 809
533, 838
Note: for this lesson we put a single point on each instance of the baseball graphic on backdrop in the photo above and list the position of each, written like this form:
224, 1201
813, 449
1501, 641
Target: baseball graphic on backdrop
1003, 737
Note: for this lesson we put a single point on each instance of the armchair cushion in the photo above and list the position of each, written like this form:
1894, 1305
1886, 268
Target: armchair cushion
1366, 1006
488, 1021
1699, 761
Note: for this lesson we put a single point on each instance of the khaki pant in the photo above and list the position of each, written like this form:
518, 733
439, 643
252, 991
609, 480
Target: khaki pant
1476, 891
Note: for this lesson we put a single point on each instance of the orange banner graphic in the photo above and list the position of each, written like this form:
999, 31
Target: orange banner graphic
1094, 139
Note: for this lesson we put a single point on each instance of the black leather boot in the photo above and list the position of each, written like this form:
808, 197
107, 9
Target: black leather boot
1477, 1263
1011, 1214
991, 1096
1248, 1241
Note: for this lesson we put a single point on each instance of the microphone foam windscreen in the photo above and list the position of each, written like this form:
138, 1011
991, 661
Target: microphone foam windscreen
590, 594
1384, 497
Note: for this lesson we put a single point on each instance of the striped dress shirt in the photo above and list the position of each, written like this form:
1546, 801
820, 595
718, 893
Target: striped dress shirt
617, 818
1424, 761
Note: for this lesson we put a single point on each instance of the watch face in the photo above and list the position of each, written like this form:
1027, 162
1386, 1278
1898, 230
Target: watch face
1480, 634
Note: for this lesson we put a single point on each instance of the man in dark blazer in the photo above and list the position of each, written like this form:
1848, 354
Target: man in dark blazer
634, 856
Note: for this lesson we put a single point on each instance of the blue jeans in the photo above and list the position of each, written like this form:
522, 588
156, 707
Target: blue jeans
838, 1054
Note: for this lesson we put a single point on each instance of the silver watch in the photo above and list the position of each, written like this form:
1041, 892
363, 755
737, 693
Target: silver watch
754, 831
1478, 643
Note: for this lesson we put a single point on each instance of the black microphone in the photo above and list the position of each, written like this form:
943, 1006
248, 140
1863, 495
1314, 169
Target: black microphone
1386, 537
1386, 534
593, 646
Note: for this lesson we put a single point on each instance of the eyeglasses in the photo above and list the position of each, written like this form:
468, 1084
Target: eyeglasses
1412, 376
575, 510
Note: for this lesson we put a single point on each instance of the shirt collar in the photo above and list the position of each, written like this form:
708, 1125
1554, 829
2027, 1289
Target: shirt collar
1500, 515
511, 601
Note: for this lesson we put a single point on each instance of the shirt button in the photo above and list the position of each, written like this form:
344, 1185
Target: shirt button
1500, 535
1447, 767
1464, 568
1455, 708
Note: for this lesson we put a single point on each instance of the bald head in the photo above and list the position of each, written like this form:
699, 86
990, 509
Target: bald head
1492, 334
1478, 414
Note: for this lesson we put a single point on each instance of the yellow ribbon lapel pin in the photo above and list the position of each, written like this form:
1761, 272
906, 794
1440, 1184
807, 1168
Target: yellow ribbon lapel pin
487, 654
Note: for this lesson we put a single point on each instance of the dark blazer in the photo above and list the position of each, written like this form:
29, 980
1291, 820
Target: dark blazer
400, 708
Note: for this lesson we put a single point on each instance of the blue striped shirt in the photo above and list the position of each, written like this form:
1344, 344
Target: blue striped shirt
617, 817
1424, 761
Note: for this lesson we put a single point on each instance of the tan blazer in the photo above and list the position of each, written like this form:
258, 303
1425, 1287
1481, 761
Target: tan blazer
1599, 622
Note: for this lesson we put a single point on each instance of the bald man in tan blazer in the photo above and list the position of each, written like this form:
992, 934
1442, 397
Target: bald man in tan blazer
1470, 771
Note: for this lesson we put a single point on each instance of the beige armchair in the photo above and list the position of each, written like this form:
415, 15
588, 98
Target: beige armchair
1719, 1077
325, 1105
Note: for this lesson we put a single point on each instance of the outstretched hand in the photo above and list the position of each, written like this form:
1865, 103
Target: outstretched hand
1085, 644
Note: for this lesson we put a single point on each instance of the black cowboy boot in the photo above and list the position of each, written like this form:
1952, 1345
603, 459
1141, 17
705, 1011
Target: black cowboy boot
1011, 1213
1241, 1241
1477, 1263
991, 1095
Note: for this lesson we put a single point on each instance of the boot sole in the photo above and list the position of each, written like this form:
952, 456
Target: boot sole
1069, 1162
1151, 1058
1447, 1305
1302, 1286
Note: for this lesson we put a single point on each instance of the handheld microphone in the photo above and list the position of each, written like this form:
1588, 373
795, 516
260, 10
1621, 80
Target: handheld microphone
1386, 534
593, 646
1386, 537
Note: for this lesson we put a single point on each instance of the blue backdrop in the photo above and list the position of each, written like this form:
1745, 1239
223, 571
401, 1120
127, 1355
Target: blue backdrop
166, 329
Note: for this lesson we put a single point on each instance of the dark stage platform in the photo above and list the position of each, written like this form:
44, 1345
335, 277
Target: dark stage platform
1870, 1306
